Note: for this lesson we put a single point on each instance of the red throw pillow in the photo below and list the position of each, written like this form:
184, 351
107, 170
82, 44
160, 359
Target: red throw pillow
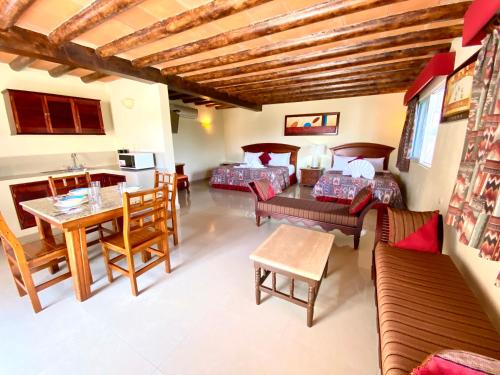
264, 189
413, 230
361, 200
264, 158
457, 362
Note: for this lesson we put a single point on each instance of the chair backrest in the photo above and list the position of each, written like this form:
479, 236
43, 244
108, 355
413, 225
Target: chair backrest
146, 208
61, 185
169, 180
11, 243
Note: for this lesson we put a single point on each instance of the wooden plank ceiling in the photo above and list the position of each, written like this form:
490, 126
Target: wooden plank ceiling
226, 53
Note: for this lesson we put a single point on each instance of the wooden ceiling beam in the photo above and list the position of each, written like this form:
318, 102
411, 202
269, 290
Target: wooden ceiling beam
88, 18
92, 77
21, 62
343, 75
383, 77
61, 70
329, 89
191, 100
179, 96
11, 10
357, 90
429, 35
203, 14
305, 16
425, 16
221, 106
202, 102
29, 43
327, 67
334, 96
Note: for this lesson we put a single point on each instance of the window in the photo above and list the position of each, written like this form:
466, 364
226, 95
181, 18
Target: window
427, 119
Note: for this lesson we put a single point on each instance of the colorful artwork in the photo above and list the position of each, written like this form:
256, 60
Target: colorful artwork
312, 124
457, 97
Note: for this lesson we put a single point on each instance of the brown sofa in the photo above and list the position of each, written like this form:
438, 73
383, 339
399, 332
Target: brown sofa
310, 212
424, 305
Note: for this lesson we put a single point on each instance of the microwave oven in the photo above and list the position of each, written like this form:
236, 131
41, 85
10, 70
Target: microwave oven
136, 160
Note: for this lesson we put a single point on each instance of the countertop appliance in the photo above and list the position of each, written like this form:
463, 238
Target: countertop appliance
136, 160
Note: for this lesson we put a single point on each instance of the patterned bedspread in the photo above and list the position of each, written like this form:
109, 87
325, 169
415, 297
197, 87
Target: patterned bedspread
229, 175
335, 185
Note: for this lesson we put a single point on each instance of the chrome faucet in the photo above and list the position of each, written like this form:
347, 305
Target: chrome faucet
75, 165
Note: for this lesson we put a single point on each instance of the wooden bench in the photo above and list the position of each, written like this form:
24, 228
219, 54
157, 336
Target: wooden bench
327, 215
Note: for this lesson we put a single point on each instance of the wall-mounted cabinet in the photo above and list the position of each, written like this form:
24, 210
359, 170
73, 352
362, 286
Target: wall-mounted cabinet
38, 113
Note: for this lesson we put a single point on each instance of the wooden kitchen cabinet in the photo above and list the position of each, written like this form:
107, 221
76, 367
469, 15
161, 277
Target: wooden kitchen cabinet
39, 113
26, 192
40, 189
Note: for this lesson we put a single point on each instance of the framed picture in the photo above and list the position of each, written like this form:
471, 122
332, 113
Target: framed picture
312, 124
457, 95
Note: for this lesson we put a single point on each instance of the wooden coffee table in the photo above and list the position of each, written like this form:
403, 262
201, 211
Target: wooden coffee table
298, 253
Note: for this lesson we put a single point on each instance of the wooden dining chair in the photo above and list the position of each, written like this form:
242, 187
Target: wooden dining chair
144, 225
25, 260
62, 185
169, 180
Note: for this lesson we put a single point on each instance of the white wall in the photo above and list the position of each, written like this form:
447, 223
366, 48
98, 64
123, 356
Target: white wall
145, 126
199, 144
431, 188
377, 119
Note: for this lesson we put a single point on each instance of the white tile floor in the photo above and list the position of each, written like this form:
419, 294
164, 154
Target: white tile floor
202, 318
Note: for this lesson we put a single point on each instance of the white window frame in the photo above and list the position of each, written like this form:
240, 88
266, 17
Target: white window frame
427, 137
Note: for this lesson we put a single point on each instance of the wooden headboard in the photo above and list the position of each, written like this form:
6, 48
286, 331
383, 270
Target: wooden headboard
367, 150
277, 148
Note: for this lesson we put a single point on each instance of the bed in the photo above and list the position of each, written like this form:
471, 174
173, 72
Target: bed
333, 186
232, 177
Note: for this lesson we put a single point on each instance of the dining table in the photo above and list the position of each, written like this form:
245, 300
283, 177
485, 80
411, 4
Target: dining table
73, 224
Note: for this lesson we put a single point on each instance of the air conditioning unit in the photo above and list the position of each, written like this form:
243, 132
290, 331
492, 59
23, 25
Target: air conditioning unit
184, 112
178, 111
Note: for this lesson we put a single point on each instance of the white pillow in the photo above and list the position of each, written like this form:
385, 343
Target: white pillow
361, 168
378, 163
280, 159
340, 162
252, 158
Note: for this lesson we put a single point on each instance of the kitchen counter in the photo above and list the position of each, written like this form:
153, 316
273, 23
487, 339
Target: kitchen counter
60, 172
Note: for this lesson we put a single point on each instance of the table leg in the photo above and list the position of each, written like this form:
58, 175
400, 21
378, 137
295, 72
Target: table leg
311, 297
76, 241
257, 285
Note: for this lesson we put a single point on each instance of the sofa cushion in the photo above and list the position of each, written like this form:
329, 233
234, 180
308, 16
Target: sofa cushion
403, 223
424, 305
424, 238
327, 212
361, 200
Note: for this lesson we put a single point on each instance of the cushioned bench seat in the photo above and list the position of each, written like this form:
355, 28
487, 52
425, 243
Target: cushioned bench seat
424, 305
326, 212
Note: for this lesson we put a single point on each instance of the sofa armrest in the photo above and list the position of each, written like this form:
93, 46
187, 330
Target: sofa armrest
364, 211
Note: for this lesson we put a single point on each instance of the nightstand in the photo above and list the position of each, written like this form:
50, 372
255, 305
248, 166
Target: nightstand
309, 176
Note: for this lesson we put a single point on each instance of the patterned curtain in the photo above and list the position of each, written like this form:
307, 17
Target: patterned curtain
475, 203
404, 151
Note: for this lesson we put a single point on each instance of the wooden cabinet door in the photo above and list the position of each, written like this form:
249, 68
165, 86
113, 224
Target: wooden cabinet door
89, 116
101, 177
26, 192
28, 112
61, 114
114, 179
